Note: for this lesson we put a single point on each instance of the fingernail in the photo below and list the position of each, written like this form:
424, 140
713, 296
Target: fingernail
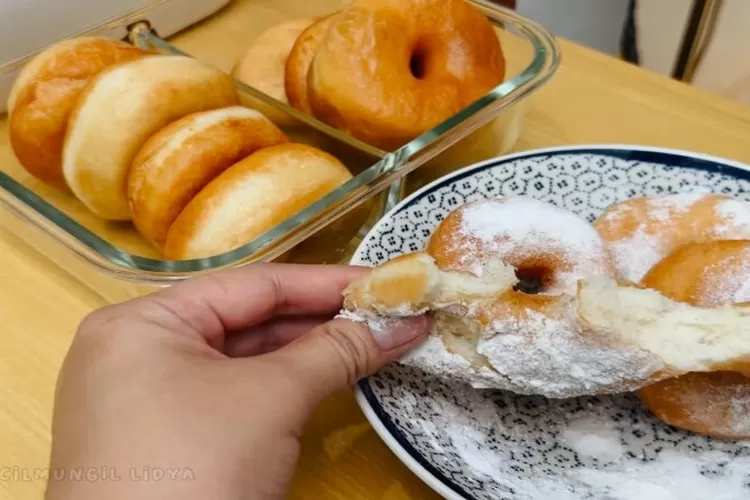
391, 333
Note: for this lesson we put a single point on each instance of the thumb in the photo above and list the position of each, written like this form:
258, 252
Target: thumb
336, 354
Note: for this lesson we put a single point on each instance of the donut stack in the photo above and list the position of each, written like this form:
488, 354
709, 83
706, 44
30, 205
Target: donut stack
383, 71
653, 297
160, 140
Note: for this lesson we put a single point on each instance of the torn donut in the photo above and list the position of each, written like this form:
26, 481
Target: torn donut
585, 334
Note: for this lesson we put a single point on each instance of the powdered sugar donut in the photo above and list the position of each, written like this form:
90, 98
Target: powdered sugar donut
642, 231
549, 248
717, 404
604, 338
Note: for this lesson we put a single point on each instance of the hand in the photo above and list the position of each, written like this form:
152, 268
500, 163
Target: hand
201, 390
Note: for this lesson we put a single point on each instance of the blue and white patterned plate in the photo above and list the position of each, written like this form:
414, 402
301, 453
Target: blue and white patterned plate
469, 444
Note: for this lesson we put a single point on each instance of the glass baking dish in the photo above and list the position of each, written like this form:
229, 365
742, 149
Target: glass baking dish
114, 261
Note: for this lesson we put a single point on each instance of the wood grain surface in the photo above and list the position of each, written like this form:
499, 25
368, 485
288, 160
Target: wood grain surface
592, 99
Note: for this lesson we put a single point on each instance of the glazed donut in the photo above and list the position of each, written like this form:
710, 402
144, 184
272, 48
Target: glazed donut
641, 231
299, 61
263, 66
389, 70
525, 234
44, 93
716, 404
179, 160
251, 197
120, 109
602, 337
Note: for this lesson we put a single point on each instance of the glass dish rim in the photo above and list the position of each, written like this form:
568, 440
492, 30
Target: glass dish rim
391, 168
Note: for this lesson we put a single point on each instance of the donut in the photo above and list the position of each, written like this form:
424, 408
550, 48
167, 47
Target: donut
712, 274
389, 70
299, 61
639, 232
43, 95
178, 161
263, 66
711, 404
582, 336
120, 109
252, 197
525, 234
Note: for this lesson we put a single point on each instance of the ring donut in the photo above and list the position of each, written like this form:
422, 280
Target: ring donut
299, 61
44, 94
263, 66
120, 109
525, 234
251, 197
180, 159
389, 70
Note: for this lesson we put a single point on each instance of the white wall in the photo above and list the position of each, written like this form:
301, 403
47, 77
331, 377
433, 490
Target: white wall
594, 23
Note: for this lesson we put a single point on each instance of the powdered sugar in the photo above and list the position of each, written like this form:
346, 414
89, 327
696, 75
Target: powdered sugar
674, 476
657, 221
734, 215
540, 355
637, 254
595, 438
739, 415
644, 244
726, 282
516, 229
595, 455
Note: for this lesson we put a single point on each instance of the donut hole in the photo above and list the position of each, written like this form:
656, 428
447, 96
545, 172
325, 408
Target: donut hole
418, 63
533, 280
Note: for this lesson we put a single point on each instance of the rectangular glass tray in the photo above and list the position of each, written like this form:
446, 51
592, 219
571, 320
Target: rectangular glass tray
114, 261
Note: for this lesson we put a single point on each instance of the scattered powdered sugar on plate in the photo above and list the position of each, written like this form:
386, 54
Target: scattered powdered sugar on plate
594, 438
591, 448
673, 476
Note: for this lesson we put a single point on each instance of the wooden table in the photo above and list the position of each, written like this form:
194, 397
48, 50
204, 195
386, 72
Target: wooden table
592, 99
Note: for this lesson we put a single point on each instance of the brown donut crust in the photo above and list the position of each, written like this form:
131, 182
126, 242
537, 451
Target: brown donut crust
389, 70
667, 223
45, 93
151, 93
711, 404
299, 61
261, 190
164, 177
702, 403
696, 273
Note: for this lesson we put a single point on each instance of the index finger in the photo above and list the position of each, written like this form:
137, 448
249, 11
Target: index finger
240, 298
